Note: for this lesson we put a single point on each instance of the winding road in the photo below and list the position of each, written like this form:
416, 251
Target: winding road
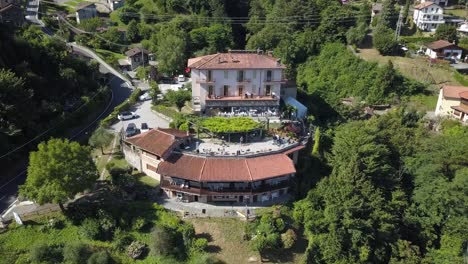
121, 90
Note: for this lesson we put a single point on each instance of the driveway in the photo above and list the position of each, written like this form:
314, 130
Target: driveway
166, 87
144, 115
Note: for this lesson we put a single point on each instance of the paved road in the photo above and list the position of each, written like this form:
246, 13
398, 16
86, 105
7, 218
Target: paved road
145, 115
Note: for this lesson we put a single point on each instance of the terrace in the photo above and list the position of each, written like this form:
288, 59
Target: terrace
221, 148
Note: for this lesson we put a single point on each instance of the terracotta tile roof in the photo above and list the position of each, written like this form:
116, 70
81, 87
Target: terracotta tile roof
423, 5
439, 44
182, 166
464, 95
226, 169
270, 166
235, 60
453, 91
154, 141
460, 109
289, 151
175, 132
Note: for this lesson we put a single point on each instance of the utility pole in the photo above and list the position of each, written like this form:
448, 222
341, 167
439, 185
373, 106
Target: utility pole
399, 23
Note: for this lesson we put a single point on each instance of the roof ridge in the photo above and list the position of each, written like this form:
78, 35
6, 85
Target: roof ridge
248, 169
164, 132
210, 59
202, 169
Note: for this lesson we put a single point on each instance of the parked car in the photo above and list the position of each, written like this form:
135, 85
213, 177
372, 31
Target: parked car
181, 78
144, 127
131, 130
145, 96
126, 115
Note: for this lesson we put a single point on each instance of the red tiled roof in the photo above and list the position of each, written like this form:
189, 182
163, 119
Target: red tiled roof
233, 60
154, 141
265, 167
226, 169
175, 132
453, 91
289, 151
424, 5
182, 166
439, 44
464, 95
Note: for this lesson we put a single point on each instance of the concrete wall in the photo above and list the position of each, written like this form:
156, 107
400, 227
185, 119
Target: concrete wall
132, 156
444, 105
151, 160
256, 85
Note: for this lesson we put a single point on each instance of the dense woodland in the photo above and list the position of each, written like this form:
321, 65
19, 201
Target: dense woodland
386, 189
40, 84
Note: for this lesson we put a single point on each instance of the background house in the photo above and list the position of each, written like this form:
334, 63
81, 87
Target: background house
376, 9
443, 49
428, 16
85, 10
441, 3
449, 97
135, 57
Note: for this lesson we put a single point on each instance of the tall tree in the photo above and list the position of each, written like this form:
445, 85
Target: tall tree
170, 52
133, 31
389, 15
446, 32
178, 98
100, 138
57, 171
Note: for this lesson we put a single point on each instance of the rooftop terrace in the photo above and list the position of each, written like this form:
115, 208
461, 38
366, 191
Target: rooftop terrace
220, 148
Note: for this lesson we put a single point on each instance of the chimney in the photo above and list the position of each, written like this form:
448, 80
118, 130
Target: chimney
278, 62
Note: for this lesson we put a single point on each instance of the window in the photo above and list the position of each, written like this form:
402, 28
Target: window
151, 168
436, 17
210, 90
240, 76
226, 90
267, 89
254, 74
240, 90
209, 76
268, 76
226, 74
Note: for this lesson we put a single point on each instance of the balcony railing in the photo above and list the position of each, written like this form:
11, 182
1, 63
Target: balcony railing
212, 191
205, 81
243, 80
275, 81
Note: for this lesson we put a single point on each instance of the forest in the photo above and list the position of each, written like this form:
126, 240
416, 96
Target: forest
40, 85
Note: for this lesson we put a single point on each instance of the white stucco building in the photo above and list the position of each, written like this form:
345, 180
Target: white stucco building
236, 81
441, 49
428, 16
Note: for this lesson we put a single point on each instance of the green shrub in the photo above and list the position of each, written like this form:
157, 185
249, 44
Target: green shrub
121, 240
43, 253
233, 124
101, 257
139, 223
107, 223
90, 229
163, 242
288, 238
200, 244
75, 253
167, 111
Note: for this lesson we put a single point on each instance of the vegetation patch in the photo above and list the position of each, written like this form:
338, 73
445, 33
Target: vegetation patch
228, 125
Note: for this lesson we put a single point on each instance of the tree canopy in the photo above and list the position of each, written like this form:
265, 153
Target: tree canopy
178, 98
57, 171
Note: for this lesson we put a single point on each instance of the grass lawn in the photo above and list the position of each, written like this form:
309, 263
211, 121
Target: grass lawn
146, 180
107, 53
114, 17
226, 241
415, 68
456, 12
422, 102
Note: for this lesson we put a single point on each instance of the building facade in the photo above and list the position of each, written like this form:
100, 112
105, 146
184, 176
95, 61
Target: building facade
460, 111
236, 80
85, 10
443, 49
188, 175
450, 101
428, 16
115, 4
135, 57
